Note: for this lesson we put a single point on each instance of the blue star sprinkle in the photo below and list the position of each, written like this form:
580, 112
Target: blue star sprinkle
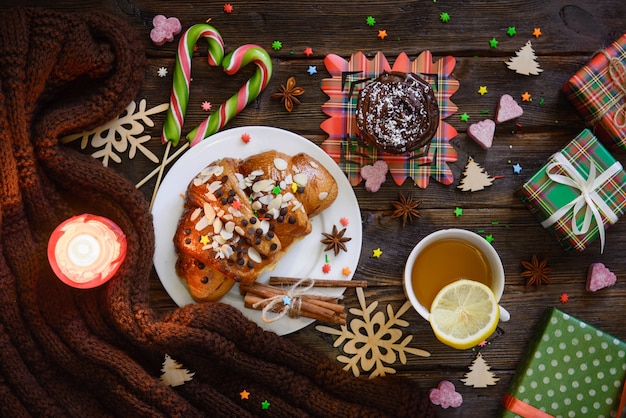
517, 168
312, 69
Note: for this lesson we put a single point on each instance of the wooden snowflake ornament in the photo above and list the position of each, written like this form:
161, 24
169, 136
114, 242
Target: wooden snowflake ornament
173, 373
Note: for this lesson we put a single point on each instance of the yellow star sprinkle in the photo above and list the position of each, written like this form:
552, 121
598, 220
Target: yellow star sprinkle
377, 253
294, 187
204, 239
482, 90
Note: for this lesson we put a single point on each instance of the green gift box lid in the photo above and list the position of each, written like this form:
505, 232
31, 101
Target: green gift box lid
570, 368
547, 198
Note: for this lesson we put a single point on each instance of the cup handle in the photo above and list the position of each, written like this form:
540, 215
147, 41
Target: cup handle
504, 314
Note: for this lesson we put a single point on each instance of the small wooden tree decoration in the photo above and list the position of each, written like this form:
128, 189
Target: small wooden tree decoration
474, 177
173, 373
524, 62
479, 375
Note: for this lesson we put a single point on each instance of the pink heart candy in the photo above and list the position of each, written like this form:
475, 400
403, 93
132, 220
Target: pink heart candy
508, 109
374, 175
599, 277
446, 395
482, 132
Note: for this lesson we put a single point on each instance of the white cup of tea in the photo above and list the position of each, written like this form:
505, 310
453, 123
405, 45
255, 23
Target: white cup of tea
445, 256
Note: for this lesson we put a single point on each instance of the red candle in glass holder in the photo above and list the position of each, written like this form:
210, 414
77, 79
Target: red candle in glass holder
85, 251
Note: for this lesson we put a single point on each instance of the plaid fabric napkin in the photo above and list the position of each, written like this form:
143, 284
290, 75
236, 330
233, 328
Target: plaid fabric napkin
343, 143
555, 193
598, 91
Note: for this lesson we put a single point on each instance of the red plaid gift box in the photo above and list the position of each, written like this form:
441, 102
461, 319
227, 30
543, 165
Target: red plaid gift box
598, 91
578, 193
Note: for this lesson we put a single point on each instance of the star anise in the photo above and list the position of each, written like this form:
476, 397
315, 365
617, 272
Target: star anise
335, 240
406, 208
536, 272
288, 94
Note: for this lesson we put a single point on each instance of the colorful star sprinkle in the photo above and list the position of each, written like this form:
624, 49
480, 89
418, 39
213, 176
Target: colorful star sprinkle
265, 404
489, 238
286, 300
344, 221
228, 8
346, 271
326, 268
162, 72
244, 394
382, 34
526, 97
482, 90
245, 138
444, 17
377, 253
493, 43
312, 69
370, 21
517, 168
564, 298
511, 31
464, 117
204, 239
458, 211
537, 32
308, 51
206, 106
276, 45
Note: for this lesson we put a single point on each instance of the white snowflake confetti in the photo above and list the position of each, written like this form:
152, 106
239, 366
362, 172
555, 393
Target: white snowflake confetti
121, 134
162, 72
373, 341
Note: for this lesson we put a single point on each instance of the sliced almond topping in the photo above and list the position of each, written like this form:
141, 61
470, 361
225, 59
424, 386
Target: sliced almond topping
209, 213
265, 185
301, 179
322, 195
217, 225
254, 255
195, 214
280, 164
202, 223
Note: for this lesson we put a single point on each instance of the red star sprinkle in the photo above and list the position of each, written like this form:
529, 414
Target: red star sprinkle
308, 51
344, 221
236, 204
245, 138
564, 297
228, 8
483, 343
326, 268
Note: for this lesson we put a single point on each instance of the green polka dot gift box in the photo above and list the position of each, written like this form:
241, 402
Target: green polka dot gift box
570, 369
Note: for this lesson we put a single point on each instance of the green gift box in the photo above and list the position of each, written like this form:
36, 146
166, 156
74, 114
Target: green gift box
578, 193
570, 368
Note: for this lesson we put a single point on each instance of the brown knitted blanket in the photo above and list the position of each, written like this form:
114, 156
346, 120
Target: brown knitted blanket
89, 353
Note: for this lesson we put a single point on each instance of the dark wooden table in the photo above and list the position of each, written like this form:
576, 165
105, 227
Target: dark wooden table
571, 32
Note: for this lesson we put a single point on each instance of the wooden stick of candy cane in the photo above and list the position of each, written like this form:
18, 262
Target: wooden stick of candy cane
175, 116
232, 63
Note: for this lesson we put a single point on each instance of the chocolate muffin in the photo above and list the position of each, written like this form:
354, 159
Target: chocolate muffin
397, 113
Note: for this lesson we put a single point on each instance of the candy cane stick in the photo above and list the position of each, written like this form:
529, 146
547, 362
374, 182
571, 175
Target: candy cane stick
175, 116
232, 63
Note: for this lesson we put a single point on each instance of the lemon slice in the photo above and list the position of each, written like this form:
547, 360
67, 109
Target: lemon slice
464, 313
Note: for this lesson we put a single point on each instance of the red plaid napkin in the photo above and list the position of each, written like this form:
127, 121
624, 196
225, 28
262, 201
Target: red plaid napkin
343, 143
598, 91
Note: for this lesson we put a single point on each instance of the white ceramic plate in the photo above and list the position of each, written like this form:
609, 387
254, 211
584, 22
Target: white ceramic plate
304, 259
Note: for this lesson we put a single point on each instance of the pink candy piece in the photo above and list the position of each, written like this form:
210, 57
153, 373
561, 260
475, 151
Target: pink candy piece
508, 109
165, 28
599, 277
446, 395
482, 132
374, 175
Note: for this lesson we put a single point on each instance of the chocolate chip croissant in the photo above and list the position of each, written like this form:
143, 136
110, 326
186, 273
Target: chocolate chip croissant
241, 216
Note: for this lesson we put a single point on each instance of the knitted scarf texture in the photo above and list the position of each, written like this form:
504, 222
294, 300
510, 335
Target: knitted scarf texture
67, 352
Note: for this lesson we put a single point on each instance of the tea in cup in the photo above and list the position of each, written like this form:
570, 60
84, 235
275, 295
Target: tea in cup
446, 256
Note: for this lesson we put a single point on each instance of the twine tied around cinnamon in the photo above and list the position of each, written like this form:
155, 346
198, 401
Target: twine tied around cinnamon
291, 301
617, 74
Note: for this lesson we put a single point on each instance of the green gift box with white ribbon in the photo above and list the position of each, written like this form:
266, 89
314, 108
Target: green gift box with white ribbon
570, 368
578, 193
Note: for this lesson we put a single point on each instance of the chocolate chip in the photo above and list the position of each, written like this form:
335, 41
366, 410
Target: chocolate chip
204, 279
283, 211
187, 231
292, 220
250, 264
253, 220
232, 192
258, 231
244, 222
187, 241
273, 247
224, 179
201, 266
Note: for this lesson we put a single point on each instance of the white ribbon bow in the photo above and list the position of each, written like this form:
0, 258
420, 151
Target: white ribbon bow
589, 199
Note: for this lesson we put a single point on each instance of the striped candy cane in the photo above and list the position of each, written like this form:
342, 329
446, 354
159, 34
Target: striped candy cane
232, 63
175, 115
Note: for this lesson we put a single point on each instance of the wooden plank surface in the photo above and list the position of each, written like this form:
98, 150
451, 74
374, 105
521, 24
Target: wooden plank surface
572, 32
